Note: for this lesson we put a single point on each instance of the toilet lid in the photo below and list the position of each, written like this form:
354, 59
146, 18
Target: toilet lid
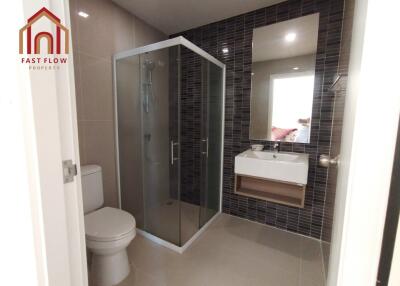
108, 224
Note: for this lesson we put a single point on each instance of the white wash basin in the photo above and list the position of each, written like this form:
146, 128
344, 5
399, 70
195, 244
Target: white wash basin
282, 166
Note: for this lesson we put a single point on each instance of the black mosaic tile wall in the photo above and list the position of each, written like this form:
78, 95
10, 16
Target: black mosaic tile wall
191, 81
236, 34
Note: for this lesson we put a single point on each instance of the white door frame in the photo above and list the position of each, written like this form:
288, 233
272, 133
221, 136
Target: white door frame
39, 113
394, 277
368, 144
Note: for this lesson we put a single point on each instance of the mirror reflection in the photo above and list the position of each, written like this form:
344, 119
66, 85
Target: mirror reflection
282, 85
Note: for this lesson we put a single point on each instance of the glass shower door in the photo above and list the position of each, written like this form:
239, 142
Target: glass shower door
129, 107
169, 124
160, 98
191, 83
211, 140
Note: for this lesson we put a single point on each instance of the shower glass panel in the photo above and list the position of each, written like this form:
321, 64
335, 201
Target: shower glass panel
212, 105
128, 115
148, 133
169, 121
160, 143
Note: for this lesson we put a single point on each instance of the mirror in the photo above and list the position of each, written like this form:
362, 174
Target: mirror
282, 80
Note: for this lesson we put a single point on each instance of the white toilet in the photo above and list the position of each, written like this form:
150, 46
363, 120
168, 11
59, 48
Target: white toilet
108, 231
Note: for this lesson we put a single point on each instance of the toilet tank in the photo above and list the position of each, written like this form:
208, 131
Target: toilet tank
92, 188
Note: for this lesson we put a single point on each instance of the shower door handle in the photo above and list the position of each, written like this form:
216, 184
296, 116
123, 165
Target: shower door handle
173, 158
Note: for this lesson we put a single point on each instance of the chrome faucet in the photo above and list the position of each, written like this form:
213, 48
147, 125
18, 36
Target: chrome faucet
276, 147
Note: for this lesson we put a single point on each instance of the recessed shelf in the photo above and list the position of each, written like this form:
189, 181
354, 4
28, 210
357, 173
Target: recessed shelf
269, 190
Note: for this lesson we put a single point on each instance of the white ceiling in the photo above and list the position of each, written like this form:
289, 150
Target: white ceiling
173, 16
269, 41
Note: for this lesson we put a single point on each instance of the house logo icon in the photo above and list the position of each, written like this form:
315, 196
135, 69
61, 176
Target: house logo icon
34, 38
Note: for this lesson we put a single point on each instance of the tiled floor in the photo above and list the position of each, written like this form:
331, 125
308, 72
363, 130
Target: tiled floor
232, 251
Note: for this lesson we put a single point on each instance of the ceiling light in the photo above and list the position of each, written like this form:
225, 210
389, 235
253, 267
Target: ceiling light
225, 50
296, 68
290, 37
83, 14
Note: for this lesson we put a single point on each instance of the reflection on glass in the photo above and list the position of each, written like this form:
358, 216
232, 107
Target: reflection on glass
282, 84
291, 106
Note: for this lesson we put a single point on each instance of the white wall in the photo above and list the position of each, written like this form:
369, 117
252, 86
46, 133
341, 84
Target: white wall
44, 242
15, 205
372, 105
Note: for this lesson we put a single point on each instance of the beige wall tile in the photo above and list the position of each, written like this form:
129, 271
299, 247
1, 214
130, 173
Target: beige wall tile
99, 144
97, 93
145, 34
107, 30
100, 150
111, 195
78, 86
82, 148
95, 32
122, 32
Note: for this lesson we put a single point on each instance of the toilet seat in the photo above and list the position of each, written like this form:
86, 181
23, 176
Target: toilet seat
109, 224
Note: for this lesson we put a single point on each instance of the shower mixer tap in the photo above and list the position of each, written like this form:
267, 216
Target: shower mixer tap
147, 136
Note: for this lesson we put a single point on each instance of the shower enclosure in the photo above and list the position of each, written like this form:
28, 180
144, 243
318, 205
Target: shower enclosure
169, 114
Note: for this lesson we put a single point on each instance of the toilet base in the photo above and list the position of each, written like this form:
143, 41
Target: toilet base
109, 270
